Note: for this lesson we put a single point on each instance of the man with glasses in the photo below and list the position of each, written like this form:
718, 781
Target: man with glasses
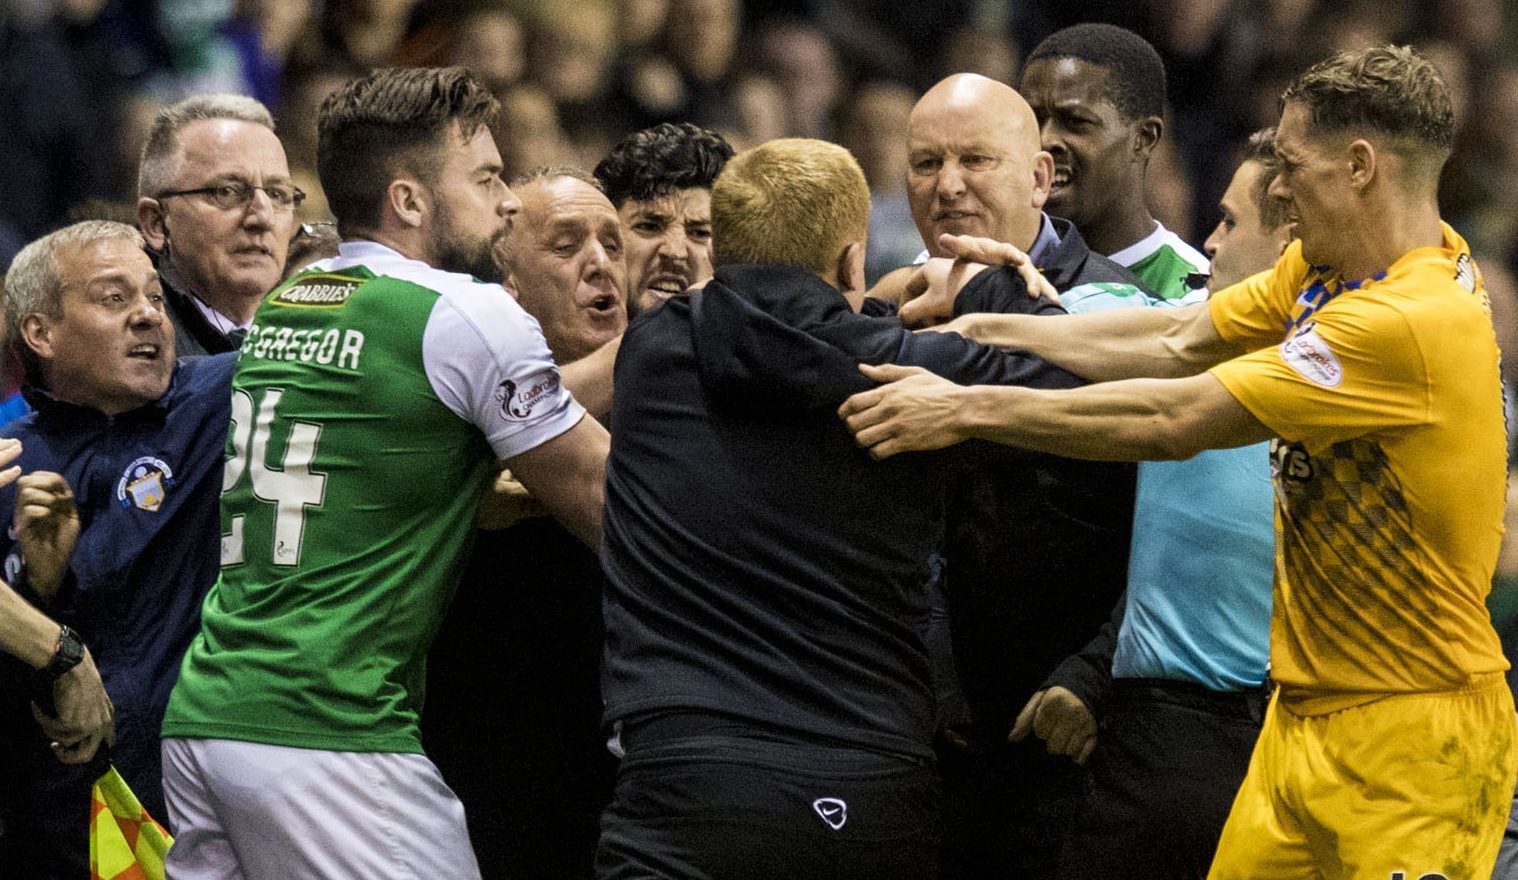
217, 207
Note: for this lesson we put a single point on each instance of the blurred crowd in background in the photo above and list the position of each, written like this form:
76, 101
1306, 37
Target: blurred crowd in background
80, 81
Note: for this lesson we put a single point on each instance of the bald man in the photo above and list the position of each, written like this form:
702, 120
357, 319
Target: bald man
1034, 561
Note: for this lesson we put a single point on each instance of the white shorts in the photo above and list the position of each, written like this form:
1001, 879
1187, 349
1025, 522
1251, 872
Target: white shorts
249, 811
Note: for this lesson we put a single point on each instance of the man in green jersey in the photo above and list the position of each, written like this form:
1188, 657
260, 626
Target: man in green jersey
1099, 93
374, 393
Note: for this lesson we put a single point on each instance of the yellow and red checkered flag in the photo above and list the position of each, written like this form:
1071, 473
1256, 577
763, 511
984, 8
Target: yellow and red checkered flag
125, 842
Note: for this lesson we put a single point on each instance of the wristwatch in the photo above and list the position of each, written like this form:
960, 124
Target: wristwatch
66, 656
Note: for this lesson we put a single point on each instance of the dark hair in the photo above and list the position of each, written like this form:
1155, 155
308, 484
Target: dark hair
659, 160
1135, 73
1391, 89
1261, 148
388, 123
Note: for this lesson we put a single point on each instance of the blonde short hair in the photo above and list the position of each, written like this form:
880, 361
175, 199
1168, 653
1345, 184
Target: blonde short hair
792, 201
1391, 89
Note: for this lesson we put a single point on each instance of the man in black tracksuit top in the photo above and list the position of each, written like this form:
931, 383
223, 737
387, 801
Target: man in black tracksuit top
764, 665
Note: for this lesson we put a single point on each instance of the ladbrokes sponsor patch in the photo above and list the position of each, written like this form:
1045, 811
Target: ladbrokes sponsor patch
1308, 353
520, 400
318, 291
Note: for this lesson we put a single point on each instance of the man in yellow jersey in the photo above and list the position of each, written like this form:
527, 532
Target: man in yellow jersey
1367, 354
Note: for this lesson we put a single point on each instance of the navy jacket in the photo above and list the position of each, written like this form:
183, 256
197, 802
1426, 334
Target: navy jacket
1037, 554
148, 485
760, 565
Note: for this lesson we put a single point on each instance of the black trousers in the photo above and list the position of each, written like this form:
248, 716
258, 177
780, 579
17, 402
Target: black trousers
1169, 759
44, 804
736, 804
1008, 808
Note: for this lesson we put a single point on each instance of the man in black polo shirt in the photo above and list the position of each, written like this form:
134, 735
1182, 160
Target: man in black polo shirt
764, 668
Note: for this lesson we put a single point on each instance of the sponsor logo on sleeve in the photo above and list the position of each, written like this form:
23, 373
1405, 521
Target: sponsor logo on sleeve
520, 400
1308, 353
145, 483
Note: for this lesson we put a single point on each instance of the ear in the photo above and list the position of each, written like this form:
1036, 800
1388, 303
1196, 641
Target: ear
1043, 178
409, 201
37, 334
1147, 132
1362, 163
850, 270
150, 220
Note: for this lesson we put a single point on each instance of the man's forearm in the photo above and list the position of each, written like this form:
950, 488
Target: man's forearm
589, 379
1105, 346
25, 632
1131, 420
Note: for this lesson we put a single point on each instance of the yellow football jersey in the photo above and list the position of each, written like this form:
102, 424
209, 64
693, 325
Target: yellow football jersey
1389, 470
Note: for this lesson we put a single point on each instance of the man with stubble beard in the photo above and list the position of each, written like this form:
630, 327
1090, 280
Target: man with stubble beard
660, 181
374, 394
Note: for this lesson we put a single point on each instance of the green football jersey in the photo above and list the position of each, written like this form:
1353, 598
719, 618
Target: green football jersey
1167, 265
372, 396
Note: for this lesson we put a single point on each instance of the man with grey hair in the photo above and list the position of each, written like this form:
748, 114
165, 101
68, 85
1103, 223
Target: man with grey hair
564, 263
115, 532
217, 206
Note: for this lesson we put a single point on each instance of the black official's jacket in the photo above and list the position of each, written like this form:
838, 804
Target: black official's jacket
193, 335
1035, 557
760, 565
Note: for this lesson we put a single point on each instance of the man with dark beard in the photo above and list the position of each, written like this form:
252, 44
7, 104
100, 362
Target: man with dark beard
374, 392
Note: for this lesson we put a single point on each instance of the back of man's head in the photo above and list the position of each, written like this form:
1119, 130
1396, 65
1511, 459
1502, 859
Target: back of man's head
161, 153
1136, 75
390, 123
1391, 91
793, 201
660, 160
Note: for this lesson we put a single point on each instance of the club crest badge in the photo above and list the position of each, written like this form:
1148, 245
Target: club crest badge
145, 484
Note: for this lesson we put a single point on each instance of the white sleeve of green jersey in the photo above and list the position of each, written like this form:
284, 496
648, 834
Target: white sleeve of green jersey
487, 360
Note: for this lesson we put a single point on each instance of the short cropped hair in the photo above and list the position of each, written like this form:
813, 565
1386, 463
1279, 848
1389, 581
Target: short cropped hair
392, 122
1135, 73
791, 201
554, 172
161, 152
34, 284
660, 160
1261, 148
1389, 89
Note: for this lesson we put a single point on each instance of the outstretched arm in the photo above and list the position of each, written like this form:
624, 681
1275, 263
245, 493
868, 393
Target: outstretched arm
1156, 342
1133, 420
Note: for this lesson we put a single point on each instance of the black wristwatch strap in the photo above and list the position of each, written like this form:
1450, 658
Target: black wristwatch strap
66, 656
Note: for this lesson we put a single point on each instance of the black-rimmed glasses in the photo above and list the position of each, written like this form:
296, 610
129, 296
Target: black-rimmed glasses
237, 194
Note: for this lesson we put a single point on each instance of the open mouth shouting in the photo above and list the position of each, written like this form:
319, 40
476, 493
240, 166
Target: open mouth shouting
146, 351
1060, 184
666, 284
